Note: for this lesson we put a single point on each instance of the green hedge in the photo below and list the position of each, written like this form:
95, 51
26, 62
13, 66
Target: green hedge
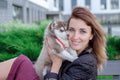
17, 38
113, 47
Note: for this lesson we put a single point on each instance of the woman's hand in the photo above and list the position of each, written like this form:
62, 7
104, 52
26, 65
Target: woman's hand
56, 60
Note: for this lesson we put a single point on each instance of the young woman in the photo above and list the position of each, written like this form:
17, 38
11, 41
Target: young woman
87, 37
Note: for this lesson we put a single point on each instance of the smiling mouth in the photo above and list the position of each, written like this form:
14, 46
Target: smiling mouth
75, 43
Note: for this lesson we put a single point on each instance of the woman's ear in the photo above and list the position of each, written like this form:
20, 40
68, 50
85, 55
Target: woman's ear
91, 37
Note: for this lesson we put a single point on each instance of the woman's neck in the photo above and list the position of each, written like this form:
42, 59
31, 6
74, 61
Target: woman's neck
81, 50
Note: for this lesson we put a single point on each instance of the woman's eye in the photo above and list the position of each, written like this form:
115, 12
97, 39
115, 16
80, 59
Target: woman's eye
83, 31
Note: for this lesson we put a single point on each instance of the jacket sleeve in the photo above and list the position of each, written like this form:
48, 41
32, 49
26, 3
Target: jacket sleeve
51, 76
81, 69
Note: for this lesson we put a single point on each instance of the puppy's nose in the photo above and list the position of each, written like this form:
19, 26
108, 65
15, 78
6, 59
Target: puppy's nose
67, 35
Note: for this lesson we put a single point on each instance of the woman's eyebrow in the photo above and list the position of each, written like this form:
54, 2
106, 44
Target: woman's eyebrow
83, 29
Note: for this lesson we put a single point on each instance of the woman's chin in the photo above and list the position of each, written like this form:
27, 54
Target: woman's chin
75, 47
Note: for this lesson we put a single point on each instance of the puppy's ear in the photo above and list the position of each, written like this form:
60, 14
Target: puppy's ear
65, 25
51, 26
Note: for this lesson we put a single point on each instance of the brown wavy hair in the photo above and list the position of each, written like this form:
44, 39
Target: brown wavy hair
98, 43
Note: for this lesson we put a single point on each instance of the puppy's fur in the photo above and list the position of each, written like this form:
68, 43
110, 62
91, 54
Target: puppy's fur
55, 29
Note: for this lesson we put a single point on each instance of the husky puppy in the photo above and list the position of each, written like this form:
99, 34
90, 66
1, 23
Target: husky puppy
60, 45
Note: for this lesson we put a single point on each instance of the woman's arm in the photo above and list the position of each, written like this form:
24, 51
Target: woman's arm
53, 74
56, 63
80, 69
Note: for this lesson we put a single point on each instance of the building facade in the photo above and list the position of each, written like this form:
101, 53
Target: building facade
52, 6
28, 11
23, 10
105, 10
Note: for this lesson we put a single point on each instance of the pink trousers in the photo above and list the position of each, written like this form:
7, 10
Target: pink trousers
22, 69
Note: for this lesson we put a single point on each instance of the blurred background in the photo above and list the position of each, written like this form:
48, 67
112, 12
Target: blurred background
34, 11
22, 25
29, 11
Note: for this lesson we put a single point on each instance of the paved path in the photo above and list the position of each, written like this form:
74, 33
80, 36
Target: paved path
111, 68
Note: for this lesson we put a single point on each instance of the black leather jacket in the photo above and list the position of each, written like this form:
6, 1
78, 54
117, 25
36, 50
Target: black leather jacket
83, 68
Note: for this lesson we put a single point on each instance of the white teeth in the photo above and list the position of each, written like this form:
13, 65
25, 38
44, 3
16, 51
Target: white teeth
75, 43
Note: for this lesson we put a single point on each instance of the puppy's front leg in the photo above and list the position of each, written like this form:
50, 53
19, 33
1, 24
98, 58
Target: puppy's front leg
72, 52
66, 55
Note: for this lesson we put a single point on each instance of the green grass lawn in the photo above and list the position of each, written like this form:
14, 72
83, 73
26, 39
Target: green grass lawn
106, 77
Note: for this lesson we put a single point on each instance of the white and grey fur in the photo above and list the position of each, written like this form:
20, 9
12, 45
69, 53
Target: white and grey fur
55, 29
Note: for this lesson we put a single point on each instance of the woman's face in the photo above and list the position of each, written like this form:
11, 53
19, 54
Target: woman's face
79, 34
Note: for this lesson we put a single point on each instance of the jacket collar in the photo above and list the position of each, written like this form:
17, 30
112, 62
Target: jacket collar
87, 51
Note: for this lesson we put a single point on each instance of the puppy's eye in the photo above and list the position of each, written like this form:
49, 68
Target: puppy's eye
71, 30
61, 30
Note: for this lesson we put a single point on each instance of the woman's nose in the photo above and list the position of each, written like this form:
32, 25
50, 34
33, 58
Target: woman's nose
76, 35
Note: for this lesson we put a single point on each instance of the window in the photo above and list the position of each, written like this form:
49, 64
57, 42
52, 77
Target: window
74, 2
61, 5
38, 15
17, 12
3, 4
114, 4
103, 4
55, 3
28, 15
88, 4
